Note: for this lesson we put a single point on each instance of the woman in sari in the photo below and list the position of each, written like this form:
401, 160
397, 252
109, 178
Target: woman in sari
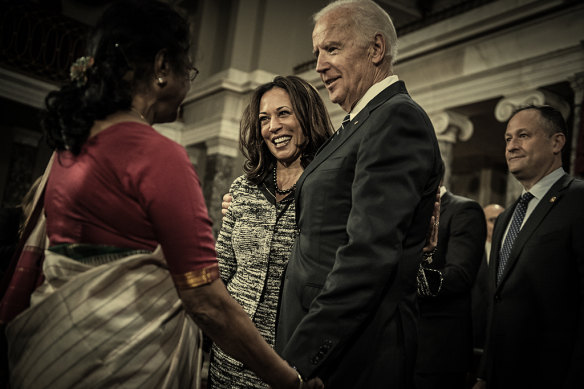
130, 273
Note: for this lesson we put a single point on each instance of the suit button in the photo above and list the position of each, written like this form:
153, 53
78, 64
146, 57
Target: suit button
497, 298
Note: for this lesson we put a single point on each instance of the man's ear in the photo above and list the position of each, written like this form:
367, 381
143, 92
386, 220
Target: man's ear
161, 67
378, 49
559, 140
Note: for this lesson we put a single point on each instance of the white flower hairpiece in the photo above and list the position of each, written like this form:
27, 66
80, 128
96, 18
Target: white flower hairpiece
79, 69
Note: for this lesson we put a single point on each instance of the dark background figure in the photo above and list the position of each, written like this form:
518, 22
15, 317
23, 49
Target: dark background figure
9, 227
445, 325
12, 220
363, 206
535, 332
480, 292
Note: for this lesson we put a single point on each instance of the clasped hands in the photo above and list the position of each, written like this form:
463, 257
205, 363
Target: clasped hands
313, 383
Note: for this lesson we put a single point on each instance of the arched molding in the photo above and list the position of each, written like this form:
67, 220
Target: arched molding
23, 89
212, 110
507, 105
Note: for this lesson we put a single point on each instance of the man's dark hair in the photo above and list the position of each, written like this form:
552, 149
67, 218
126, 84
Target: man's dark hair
552, 118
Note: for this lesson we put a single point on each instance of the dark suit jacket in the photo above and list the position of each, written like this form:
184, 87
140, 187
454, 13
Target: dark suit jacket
480, 302
445, 329
535, 335
363, 205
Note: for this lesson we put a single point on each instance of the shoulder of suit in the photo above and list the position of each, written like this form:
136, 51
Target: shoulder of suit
577, 184
463, 200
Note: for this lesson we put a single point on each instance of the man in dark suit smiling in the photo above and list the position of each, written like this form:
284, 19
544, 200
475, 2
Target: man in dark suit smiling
363, 205
535, 332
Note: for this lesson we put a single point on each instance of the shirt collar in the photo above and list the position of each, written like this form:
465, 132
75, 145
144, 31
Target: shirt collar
442, 191
543, 186
373, 91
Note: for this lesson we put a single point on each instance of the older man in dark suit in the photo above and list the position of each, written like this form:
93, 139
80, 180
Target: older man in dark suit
348, 310
445, 328
535, 333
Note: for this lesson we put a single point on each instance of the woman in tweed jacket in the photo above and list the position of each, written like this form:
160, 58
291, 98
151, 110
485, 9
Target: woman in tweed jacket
282, 128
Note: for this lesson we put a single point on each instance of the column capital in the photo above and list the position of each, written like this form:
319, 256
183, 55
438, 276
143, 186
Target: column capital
508, 104
577, 82
451, 126
222, 146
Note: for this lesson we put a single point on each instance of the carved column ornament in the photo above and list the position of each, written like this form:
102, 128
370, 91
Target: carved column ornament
450, 127
507, 105
577, 146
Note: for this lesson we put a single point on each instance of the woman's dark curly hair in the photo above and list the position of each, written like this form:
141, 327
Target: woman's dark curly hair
124, 45
310, 112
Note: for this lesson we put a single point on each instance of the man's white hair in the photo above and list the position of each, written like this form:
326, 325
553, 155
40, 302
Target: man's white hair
367, 19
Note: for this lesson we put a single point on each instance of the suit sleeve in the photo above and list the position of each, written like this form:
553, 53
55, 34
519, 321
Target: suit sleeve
498, 229
466, 246
394, 166
576, 373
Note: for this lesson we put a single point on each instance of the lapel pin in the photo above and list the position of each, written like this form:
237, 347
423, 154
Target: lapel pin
553, 199
356, 122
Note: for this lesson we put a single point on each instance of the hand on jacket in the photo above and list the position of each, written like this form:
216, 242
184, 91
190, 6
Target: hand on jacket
225, 203
432, 237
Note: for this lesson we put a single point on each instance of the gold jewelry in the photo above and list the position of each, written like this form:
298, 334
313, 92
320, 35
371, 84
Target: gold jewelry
300, 380
139, 114
160, 81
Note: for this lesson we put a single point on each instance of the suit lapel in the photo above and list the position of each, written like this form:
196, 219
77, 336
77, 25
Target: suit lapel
335, 141
551, 198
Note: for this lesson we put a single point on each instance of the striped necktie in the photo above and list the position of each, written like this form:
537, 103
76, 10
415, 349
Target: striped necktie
518, 216
346, 120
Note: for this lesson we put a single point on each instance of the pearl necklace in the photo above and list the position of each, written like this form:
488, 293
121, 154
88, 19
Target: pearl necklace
281, 191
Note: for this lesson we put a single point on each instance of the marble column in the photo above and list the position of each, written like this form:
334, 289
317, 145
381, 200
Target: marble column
503, 112
219, 170
450, 127
577, 84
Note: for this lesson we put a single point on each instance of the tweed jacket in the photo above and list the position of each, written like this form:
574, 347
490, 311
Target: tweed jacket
253, 248
247, 241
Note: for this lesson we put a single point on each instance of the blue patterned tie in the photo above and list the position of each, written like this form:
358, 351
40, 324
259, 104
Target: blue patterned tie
346, 120
518, 216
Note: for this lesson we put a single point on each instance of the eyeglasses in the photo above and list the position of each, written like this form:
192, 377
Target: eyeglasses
192, 73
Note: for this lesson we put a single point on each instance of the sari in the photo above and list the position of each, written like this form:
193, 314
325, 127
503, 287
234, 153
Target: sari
102, 317
104, 321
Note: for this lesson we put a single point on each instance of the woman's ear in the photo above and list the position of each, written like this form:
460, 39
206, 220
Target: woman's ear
161, 67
